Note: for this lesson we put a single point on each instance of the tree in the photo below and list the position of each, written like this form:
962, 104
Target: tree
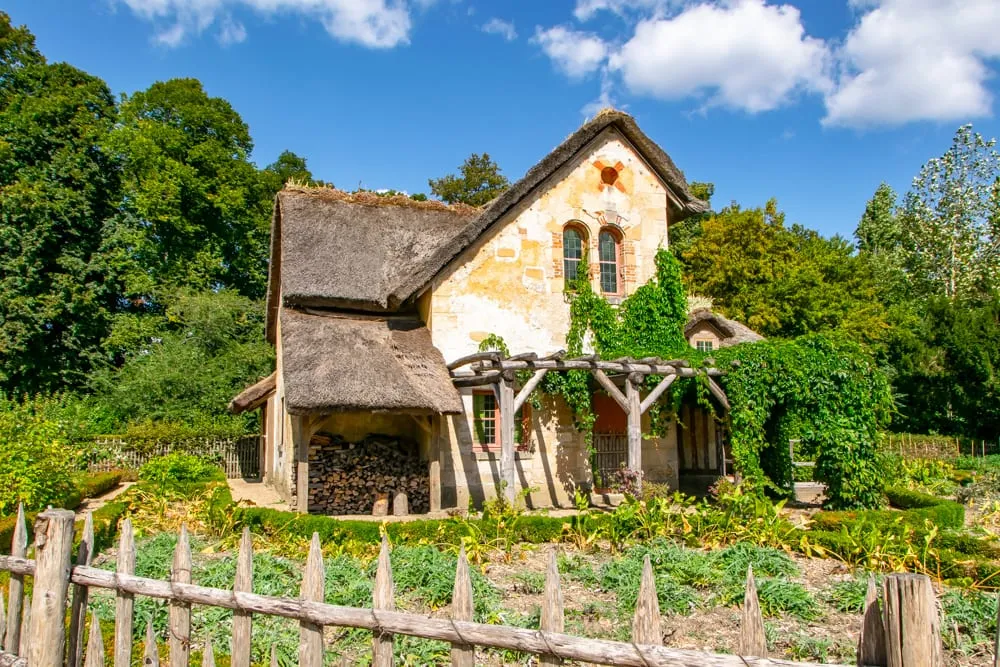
479, 183
195, 211
951, 220
289, 167
204, 349
57, 190
880, 245
17, 50
782, 282
684, 233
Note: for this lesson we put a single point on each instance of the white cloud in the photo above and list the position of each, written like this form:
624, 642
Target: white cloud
370, 23
742, 54
587, 9
231, 32
500, 27
574, 52
909, 60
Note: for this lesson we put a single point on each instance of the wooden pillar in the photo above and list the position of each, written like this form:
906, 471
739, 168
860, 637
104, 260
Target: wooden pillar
300, 442
53, 560
434, 462
912, 625
634, 425
507, 477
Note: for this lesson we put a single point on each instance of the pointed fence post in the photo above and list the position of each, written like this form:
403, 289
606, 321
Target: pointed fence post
15, 598
208, 655
78, 608
507, 431
752, 639
50, 593
646, 622
871, 643
151, 653
124, 602
95, 644
310, 634
25, 643
242, 621
462, 609
180, 612
912, 625
383, 598
552, 607
3, 624
274, 656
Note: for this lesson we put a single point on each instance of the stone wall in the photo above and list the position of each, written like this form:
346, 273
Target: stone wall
344, 477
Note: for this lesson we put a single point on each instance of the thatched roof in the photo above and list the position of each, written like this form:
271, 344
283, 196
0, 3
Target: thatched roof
361, 251
731, 331
254, 396
334, 362
337, 250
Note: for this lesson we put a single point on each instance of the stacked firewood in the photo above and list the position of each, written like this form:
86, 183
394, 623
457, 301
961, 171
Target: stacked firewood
345, 477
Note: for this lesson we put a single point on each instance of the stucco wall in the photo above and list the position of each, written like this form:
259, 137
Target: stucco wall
703, 331
511, 283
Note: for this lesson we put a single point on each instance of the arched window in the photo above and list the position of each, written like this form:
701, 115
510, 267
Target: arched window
574, 242
609, 261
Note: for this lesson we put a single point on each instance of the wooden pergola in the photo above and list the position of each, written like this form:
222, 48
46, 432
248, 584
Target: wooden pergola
497, 371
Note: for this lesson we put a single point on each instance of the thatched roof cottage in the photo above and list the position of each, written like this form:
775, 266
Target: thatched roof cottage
374, 302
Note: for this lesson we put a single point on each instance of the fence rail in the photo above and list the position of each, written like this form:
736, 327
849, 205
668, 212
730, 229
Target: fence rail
238, 457
906, 635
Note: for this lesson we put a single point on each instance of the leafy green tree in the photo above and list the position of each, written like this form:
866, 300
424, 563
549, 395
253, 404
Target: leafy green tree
195, 211
206, 347
479, 181
880, 245
57, 190
684, 233
951, 220
780, 281
289, 167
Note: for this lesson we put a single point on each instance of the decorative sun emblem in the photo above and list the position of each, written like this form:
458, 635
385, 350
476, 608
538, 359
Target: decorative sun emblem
609, 175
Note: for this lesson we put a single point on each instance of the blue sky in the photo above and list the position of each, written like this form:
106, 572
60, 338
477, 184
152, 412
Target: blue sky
813, 102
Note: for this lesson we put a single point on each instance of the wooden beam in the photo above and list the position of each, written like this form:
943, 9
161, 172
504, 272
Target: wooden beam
558, 354
506, 388
656, 393
528, 387
720, 395
524, 356
490, 355
609, 386
633, 410
476, 380
586, 365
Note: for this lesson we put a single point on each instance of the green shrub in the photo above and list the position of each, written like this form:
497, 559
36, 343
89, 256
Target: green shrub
971, 615
178, 467
38, 463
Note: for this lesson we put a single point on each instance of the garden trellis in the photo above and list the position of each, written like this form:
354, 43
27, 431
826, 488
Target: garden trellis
905, 635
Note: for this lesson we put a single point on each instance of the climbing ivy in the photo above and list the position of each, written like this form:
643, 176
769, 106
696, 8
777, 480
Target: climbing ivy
827, 393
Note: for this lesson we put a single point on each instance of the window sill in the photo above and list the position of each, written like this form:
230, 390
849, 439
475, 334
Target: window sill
494, 454
614, 299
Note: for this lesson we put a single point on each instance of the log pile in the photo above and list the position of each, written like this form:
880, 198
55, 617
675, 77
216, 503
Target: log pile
344, 477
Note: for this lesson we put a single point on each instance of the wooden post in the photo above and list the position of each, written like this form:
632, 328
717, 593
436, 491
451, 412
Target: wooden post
208, 655
646, 622
552, 607
124, 602
871, 642
507, 476
3, 624
151, 652
242, 621
912, 626
996, 640
752, 640
300, 443
383, 598
180, 612
95, 644
634, 426
15, 599
462, 609
274, 656
53, 562
400, 503
311, 635
25, 643
78, 608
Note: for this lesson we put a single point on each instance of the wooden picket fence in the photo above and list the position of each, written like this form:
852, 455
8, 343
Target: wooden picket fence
903, 633
238, 456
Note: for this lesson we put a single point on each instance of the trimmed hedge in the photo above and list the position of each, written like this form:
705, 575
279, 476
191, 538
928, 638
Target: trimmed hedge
533, 529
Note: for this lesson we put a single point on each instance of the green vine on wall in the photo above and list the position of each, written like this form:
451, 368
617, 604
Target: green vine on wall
827, 393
